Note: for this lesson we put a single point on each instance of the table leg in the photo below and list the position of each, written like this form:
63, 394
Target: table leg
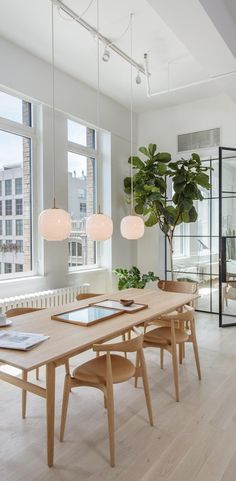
50, 403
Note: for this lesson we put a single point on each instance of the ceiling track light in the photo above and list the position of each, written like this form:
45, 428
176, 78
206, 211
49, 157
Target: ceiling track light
138, 78
106, 55
106, 41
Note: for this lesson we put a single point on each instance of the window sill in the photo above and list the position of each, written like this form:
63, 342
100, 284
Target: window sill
20, 279
87, 271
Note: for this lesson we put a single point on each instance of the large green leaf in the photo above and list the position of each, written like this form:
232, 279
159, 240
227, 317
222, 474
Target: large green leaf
144, 151
152, 220
163, 157
196, 157
139, 208
136, 162
152, 149
203, 180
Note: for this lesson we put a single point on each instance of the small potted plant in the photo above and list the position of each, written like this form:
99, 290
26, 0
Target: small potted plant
128, 278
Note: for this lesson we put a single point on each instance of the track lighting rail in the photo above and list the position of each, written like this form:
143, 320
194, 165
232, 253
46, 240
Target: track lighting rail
93, 31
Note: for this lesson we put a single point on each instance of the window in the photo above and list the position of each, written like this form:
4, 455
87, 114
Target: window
17, 135
0, 207
8, 187
13, 108
8, 227
82, 192
19, 246
19, 227
83, 208
18, 186
19, 267
0, 188
80, 134
0, 227
7, 268
19, 206
8, 207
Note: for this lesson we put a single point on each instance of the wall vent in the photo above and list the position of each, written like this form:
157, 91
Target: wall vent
204, 139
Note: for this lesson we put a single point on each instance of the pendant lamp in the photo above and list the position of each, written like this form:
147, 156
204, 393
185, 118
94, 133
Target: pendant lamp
54, 224
131, 226
98, 226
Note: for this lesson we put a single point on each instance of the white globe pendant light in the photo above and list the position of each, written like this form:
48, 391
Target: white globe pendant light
99, 227
131, 226
54, 224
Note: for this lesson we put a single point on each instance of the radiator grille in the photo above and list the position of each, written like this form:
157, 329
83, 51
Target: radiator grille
199, 140
44, 299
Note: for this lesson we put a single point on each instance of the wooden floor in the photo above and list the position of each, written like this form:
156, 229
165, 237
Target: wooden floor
194, 440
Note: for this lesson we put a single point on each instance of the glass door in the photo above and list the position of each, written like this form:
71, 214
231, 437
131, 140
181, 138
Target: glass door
227, 236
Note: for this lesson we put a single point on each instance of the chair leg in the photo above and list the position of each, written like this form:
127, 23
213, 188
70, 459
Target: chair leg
24, 394
162, 358
136, 371
175, 361
67, 368
180, 353
37, 373
124, 339
146, 386
195, 349
65, 405
111, 422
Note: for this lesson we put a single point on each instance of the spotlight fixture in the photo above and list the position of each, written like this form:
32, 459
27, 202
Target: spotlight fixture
138, 78
106, 55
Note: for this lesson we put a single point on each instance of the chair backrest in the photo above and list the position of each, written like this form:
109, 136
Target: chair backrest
86, 295
132, 345
187, 314
17, 311
178, 286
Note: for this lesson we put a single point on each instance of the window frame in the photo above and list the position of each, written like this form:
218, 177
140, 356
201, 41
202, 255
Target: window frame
30, 132
85, 151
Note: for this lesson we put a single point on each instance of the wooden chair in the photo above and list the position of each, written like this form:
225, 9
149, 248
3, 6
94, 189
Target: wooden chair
104, 371
178, 286
168, 337
17, 311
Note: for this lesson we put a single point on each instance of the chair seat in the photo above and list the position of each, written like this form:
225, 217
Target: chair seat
94, 371
164, 334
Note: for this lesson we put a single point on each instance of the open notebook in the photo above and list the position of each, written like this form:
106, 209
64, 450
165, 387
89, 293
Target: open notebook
20, 340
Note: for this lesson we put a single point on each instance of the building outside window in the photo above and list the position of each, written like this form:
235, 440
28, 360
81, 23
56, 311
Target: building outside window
8, 187
19, 227
19, 245
8, 227
82, 160
18, 186
8, 207
7, 268
16, 183
19, 207
19, 267
1, 207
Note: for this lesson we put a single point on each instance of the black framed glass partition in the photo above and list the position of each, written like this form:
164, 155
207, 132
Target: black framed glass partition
196, 246
227, 233
205, 251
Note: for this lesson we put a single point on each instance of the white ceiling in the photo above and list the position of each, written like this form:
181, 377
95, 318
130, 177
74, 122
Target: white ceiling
28, 24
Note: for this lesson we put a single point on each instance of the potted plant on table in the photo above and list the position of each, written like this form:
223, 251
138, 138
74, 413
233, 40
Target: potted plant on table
133, 278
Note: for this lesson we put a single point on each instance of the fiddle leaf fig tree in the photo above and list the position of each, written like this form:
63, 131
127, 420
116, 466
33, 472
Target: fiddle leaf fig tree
151, 184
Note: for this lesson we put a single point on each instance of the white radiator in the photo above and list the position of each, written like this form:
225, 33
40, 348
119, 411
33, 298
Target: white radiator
44, 299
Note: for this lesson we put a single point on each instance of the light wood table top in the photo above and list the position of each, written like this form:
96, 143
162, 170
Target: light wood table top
68, 340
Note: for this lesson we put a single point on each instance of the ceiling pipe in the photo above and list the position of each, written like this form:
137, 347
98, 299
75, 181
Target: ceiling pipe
181, 87
93, 31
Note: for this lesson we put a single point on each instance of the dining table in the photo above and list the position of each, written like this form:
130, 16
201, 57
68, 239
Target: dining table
67, 340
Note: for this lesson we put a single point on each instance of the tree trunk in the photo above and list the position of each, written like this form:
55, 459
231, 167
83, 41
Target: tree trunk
171, 252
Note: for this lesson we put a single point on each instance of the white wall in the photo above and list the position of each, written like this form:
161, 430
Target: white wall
162, 127
31, 77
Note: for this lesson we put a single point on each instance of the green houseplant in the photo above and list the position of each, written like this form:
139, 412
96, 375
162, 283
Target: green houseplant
151, 183
133, 278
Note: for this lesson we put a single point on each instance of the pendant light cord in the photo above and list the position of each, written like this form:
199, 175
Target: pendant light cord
131, 114
53, 110
98, 104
